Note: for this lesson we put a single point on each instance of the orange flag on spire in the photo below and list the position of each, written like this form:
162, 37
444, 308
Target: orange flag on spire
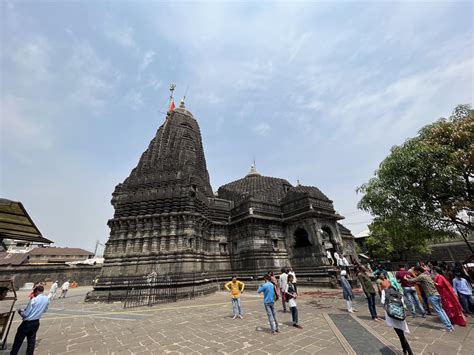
172, 106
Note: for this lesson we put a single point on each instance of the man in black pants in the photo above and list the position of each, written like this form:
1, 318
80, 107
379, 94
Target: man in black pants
31, 316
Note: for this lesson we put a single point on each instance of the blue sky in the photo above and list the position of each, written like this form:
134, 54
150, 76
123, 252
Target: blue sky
315, 91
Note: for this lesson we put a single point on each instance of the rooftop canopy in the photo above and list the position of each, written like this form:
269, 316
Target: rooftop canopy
16, 224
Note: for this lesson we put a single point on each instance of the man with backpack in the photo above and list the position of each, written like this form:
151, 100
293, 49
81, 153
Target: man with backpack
269, 295
395, 316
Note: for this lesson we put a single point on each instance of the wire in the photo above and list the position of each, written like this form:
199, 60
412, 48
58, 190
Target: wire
358, 222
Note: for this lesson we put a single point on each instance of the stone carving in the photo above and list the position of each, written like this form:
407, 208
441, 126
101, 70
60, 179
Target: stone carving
168, 220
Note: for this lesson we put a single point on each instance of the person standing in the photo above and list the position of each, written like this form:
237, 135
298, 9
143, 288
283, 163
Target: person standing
345, 263
268, 290
338, 259
432, 294
292, 273
347, 291
52, 290
283, 283
399, 325
409, 291
275, 283
464, 292
31, 295
383, 284
329, 256
449, 301
290, 294
235, 288
369, 291
37, 306
64, 289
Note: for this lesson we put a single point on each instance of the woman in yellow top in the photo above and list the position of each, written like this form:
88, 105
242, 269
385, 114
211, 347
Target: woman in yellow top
235, 287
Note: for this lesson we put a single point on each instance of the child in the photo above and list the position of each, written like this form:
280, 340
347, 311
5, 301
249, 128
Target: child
290, 294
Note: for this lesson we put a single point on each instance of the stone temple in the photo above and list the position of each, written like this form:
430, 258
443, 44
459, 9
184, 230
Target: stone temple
168, 220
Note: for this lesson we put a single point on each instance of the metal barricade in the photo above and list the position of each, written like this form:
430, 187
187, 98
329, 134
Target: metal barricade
151, 290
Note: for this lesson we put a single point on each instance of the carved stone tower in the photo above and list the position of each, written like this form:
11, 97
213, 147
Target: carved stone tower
163, 210
167, 221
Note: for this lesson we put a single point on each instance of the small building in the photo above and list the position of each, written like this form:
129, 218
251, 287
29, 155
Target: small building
58, 255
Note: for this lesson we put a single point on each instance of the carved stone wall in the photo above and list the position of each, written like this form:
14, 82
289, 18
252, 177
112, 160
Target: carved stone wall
167, 219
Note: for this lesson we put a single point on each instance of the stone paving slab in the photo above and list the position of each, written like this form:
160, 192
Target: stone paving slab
205, 326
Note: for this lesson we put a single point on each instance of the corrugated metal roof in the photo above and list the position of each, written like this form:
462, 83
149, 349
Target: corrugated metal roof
59, 251
16, 224
12, 258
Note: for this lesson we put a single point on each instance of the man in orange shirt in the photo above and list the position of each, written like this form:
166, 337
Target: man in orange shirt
235, 287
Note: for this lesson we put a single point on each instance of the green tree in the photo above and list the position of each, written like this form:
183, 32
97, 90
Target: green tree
427, 181
395, 239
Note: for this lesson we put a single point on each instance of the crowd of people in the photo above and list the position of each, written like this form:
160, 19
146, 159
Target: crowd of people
441, 289
284, 288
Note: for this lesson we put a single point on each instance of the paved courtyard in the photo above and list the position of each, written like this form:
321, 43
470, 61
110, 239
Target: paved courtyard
205, 326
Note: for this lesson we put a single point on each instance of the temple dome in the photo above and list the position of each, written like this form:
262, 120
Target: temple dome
309, 191
265, 188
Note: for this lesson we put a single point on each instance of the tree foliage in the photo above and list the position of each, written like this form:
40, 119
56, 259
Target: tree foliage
427, 182
395, 239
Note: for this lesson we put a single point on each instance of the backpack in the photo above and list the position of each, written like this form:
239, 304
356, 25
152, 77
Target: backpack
394, 304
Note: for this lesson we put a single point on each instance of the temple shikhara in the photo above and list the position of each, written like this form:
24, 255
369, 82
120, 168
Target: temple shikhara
168, 220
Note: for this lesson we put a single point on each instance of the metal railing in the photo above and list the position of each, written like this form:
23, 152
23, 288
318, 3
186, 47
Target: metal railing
155, 289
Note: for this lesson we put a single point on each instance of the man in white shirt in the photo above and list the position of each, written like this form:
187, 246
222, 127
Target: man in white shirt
52, 290
345, 261
283, 283
338, 259
329, 256
64, 289
292, 273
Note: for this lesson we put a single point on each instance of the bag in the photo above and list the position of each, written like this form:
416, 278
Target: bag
275, 291
394, 304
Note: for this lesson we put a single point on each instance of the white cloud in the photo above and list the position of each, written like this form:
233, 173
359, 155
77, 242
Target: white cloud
93, 78
154, 83
148, 58
122, 35
135, 98
262, 129
33, 57
25, 127
402, 102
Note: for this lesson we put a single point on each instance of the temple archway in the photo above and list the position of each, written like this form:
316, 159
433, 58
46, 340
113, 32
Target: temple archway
301, 238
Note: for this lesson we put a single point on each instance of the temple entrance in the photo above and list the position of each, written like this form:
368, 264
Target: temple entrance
301, 238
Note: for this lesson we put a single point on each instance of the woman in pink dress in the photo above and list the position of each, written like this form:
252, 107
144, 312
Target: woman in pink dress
449, 300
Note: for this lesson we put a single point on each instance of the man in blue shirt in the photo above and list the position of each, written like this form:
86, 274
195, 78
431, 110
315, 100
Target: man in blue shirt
268, 290
464, 292
31, 316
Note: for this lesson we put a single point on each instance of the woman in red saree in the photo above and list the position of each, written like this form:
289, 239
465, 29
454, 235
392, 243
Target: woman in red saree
449, 300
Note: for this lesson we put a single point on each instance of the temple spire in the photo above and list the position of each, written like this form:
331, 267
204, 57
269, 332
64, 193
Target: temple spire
172, 105
253, 169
